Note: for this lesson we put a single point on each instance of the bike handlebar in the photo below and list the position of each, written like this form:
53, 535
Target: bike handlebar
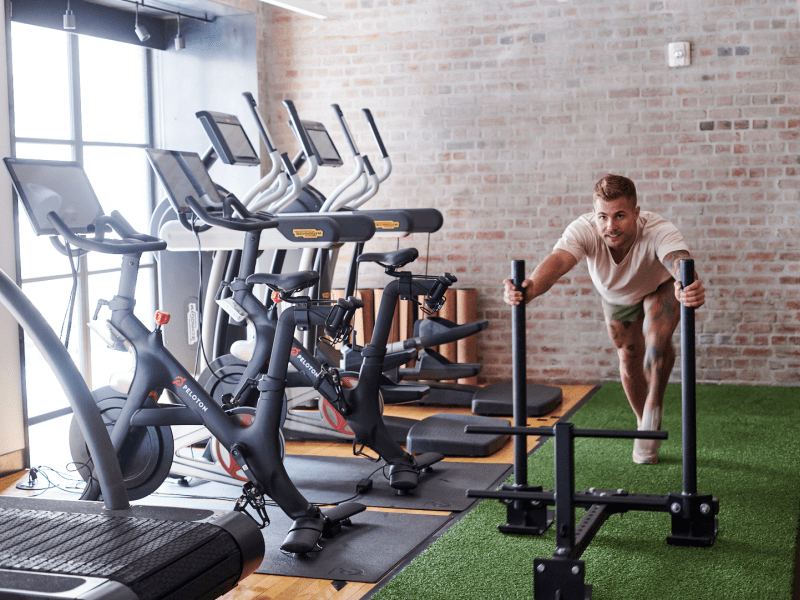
247, 221
130, 242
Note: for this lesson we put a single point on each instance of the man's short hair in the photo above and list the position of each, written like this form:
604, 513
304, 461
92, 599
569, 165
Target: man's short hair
613, 187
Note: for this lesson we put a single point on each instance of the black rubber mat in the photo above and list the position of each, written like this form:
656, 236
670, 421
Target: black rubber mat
444, 488
330, 480
364, 552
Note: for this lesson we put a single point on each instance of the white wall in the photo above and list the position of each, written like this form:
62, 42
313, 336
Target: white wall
12, 426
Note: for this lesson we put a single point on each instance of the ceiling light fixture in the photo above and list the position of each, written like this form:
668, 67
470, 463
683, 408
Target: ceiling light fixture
141, 30
180, 43
304, 7
69, 18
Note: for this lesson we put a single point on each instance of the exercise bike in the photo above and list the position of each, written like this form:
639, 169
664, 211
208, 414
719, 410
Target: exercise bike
349, 400
140, 426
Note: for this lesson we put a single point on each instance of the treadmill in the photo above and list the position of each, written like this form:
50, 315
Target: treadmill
86, 549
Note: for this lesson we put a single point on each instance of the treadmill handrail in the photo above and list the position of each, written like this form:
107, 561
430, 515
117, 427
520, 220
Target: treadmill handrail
87, 414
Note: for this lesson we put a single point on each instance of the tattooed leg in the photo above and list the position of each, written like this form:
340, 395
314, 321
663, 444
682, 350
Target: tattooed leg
630, 344
663, 314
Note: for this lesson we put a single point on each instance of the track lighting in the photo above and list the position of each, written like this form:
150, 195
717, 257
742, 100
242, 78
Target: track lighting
141, 30
69, 18
305, 7
180, 43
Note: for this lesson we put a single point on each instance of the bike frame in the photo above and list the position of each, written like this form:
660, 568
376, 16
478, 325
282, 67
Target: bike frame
257, 449
361, 406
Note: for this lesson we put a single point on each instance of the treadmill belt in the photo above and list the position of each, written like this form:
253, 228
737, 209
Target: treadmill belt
148, 556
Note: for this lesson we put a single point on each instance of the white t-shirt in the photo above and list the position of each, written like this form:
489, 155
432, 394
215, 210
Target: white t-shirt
640, 272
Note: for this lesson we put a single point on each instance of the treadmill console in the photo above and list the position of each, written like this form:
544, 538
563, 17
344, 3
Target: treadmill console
228, 138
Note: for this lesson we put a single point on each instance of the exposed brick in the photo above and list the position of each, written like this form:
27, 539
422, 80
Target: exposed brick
504, 115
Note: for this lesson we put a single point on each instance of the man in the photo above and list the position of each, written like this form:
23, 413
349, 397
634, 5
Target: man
634, 262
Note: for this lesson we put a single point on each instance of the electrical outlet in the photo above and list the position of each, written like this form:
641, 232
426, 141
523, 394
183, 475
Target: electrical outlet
679, 54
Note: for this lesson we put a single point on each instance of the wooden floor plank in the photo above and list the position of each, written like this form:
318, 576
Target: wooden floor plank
272, 587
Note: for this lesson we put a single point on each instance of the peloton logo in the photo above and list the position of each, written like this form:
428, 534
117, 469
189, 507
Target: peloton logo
181, 381
307, 234
304, 362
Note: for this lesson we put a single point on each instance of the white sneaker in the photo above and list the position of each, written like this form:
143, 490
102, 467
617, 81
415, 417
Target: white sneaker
645, 452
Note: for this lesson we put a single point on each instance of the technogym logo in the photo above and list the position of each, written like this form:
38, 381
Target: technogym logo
307, 234
386, 224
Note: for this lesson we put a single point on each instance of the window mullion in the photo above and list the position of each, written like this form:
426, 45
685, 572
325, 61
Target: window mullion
75, 96
83, 264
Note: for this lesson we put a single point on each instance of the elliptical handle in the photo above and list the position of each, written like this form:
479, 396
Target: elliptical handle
346, 129
368, 166
288, 165
368, 113
262, 129
298, 127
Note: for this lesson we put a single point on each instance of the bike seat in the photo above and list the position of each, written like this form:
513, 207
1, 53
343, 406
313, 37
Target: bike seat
394, 260
285, 283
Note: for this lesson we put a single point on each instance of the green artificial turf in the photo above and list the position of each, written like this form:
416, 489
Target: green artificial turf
748, 457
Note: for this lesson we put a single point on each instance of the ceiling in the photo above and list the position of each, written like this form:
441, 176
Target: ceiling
197, 8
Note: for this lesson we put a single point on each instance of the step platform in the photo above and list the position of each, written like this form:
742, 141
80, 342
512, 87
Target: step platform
444, 433
79, 550
431, 365
498, 399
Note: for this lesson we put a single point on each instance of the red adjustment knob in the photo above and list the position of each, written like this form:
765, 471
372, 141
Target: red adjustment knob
162, 318
276, 297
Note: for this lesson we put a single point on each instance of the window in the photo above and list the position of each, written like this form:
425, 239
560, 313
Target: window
84, 99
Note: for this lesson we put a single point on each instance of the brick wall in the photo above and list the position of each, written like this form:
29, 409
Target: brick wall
503, 115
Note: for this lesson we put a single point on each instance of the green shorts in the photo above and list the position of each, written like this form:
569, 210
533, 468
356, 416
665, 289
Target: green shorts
623, 314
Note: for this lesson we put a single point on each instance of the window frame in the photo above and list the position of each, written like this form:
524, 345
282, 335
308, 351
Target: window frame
78, 144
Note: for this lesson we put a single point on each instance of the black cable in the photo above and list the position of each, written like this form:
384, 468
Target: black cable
200, 350
43, 469
68, 314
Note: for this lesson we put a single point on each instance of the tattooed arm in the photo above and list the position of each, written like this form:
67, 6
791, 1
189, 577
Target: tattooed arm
544, 276
694, 295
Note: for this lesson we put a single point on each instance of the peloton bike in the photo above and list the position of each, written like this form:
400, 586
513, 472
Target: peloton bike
87, 550
693, 515
437, 433
350, 399
60, 196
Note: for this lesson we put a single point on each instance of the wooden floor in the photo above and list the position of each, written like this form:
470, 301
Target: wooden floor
271, 587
